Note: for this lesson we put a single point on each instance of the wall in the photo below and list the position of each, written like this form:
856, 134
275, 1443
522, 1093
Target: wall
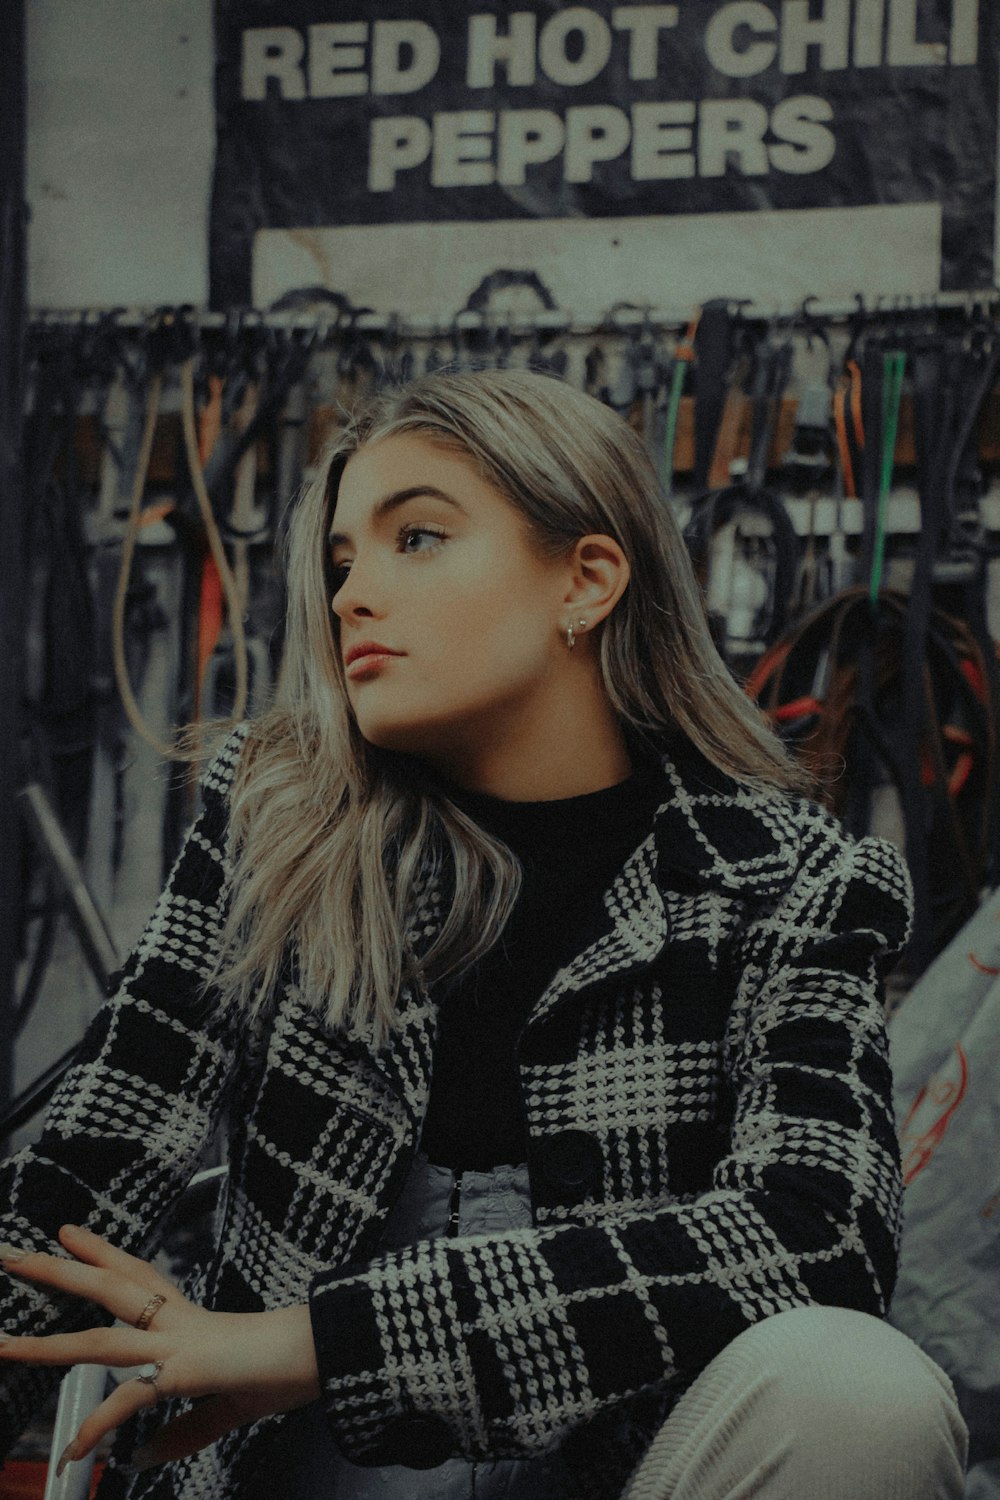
120, 146
120, 131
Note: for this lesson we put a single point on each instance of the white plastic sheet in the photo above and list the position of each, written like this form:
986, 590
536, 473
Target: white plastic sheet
945, 1049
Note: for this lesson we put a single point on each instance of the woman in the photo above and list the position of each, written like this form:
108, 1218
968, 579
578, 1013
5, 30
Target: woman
543, 1014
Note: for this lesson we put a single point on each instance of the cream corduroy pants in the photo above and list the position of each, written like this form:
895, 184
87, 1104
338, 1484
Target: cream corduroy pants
819, 1403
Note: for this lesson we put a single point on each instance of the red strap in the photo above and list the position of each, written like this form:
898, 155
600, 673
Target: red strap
209, 621
210, 602
796, 709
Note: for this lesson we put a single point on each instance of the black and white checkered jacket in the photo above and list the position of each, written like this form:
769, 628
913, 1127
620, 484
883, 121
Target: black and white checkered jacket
711, 1141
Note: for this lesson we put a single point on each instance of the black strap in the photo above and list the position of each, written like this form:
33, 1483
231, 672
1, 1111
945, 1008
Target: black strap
284, 370
714, 347
773, 366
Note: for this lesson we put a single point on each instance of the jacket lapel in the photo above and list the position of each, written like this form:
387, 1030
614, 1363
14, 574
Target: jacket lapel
721, 834
634, 937
708, 830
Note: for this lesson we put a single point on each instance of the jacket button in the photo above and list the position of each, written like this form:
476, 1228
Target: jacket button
571, 1162
415, 1441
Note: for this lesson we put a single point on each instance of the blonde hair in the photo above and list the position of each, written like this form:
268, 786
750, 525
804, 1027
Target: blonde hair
332, 840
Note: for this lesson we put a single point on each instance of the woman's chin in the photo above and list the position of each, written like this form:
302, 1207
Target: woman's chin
435, 746
403, 738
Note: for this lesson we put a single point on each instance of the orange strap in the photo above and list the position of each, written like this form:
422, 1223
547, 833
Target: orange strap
156, 512
210, 607
850, 387
685, 349
210, 421
843, 446
727, 443
854, 373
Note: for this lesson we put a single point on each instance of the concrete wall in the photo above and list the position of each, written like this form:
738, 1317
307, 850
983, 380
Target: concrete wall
120, 140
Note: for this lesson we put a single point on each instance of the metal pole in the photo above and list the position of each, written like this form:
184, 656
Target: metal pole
95, 939
13, 509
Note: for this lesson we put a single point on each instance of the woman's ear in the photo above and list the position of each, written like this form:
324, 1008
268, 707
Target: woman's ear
599, 575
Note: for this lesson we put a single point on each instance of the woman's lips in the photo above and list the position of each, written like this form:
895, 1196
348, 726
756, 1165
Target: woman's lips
368, 665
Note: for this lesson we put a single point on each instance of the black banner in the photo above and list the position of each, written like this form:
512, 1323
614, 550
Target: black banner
433, 113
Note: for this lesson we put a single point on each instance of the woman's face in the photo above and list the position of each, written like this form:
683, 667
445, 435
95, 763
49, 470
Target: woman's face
434, 565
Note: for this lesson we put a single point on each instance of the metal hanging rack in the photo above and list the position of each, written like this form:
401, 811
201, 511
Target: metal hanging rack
621, 318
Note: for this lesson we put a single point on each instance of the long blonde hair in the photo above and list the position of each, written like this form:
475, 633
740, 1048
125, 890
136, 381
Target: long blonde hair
332, 840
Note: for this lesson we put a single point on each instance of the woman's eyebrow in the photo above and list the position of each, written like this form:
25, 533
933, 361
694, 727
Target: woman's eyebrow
392, 502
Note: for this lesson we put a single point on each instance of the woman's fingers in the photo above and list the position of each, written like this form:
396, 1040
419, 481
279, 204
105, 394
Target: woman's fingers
93, 1249
94, 1346
125, 1400
116, 1281
211, 1419
123, 1299
247, 1365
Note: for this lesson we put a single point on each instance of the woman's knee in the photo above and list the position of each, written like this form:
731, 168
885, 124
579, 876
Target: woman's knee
856, 1379
819, 1402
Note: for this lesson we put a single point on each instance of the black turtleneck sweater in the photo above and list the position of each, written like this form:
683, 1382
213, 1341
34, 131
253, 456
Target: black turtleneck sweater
570, 850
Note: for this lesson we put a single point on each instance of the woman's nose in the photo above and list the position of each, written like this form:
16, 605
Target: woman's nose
357, 596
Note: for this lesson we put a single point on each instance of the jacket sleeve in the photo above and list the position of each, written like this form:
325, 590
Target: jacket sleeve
128, 1123
500, 1346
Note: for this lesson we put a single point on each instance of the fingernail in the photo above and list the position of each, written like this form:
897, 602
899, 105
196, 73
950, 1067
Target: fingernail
9, 1253
69, 1455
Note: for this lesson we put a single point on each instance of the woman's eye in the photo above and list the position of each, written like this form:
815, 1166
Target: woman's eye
410, 540
425, 538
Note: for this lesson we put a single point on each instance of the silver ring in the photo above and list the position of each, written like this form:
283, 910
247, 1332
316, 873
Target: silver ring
149, 1312
149, 1374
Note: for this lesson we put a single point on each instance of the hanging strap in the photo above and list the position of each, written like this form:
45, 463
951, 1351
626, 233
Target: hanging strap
713, 358
893, 366
849, 426
163, 747
683, 357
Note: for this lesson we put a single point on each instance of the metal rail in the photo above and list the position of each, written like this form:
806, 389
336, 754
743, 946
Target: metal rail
332, 320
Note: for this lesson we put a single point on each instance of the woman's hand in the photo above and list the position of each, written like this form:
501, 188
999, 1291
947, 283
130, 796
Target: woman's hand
243, 1365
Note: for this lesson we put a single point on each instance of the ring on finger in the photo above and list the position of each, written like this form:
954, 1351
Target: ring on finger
149, 1374
149, 1311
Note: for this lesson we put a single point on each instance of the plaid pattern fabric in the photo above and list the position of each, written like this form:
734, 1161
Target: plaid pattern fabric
714, 1057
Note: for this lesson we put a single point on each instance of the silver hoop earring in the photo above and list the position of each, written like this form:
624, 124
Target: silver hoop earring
571, 634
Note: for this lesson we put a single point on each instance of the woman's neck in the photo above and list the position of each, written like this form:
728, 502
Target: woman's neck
582, 754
